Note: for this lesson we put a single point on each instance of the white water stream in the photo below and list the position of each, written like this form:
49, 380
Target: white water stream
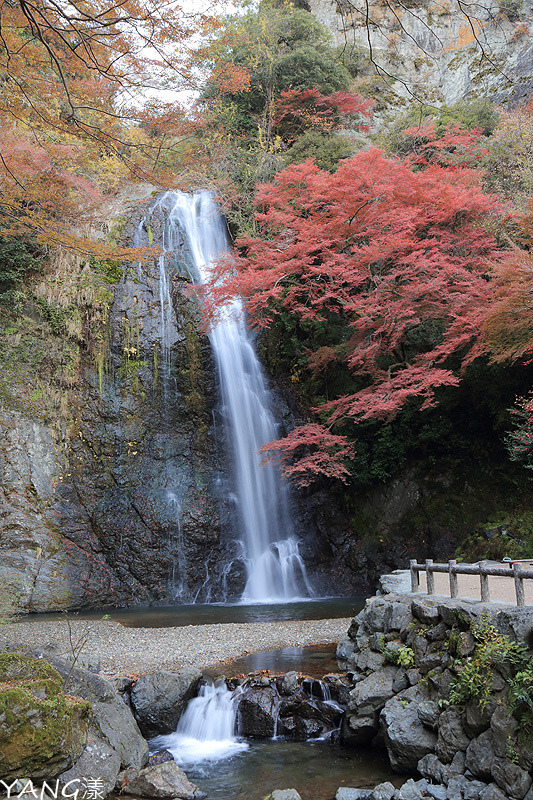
275, 569
206, 729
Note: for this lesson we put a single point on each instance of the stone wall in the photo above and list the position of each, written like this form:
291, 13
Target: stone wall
432, 681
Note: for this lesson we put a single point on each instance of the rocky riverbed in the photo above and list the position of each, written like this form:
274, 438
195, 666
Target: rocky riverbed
122, 650
444, 687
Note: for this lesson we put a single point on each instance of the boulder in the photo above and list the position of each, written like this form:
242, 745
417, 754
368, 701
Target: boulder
358, 729
111, 720
476, 718
492, 792
371, 694
397, 616
517, 623
290, 684
159, 699
346, 793
428, 713
345, 648
410, 791
511, 778
42, 730
384, 791
434, 770
258, 712
452, 736
479, 756
427, 612
98, 760
406, 738
165, 780
472, 791
284, 794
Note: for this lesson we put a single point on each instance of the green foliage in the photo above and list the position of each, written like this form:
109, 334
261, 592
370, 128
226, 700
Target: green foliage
520, 698
327, 151
281, 48
471, 114
109, 270
18, 257
519, 440
402, 657
493, 650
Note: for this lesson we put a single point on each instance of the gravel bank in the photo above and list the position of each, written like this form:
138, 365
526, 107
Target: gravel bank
130, 651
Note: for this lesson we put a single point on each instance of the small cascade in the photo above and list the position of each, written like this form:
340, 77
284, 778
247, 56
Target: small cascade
275, 569
206, 730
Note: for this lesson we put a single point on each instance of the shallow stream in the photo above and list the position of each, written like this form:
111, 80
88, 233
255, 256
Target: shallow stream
315, 769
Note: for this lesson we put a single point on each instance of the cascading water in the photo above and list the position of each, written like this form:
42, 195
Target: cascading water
275, 570
206, 730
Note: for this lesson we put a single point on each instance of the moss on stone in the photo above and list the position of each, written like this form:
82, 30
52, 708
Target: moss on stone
42, 730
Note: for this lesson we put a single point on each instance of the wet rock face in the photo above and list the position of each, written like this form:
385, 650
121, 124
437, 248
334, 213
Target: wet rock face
125, 499
293, 706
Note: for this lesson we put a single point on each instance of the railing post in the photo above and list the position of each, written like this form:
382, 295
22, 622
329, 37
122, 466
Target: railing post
484, 580
518, 585
430, 576
415, 579
454, 588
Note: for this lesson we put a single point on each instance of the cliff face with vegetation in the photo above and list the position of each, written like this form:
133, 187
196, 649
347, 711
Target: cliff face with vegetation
109, 456
432, 53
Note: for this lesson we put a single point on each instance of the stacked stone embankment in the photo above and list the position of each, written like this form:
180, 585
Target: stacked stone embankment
444, 685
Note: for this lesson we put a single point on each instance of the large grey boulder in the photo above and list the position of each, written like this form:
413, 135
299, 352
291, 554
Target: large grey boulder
410, 791
511, 778
358, 729
111, 720
371, 694
258, 712
406, 738
517, 623
452, 735
492, 792
159, 699
384, 791
42, 730
434, 770
166, 781
99, 760
480, 755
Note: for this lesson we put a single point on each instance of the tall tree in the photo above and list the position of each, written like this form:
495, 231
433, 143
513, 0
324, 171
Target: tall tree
393, 259
76, 78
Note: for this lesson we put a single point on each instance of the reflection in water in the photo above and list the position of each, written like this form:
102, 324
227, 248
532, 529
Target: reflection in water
314, 661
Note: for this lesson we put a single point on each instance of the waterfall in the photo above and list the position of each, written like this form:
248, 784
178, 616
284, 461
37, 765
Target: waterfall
206, 729
275, 570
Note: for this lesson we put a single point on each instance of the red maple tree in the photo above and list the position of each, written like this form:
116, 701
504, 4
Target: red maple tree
401, 255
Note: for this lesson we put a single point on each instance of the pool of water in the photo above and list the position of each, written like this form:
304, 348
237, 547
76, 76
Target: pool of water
179, 616
315, 769
314, 661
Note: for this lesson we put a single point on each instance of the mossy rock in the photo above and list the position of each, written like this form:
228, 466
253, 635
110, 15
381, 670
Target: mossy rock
42, 730
17, 667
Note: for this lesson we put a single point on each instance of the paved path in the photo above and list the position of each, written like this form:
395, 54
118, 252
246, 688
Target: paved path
501, 589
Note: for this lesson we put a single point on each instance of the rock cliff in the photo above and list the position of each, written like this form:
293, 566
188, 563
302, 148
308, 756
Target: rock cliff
436, 52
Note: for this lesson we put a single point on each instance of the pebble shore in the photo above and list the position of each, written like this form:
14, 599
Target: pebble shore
132, 651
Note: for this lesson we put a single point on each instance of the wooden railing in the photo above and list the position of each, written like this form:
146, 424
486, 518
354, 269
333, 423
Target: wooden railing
483, 569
